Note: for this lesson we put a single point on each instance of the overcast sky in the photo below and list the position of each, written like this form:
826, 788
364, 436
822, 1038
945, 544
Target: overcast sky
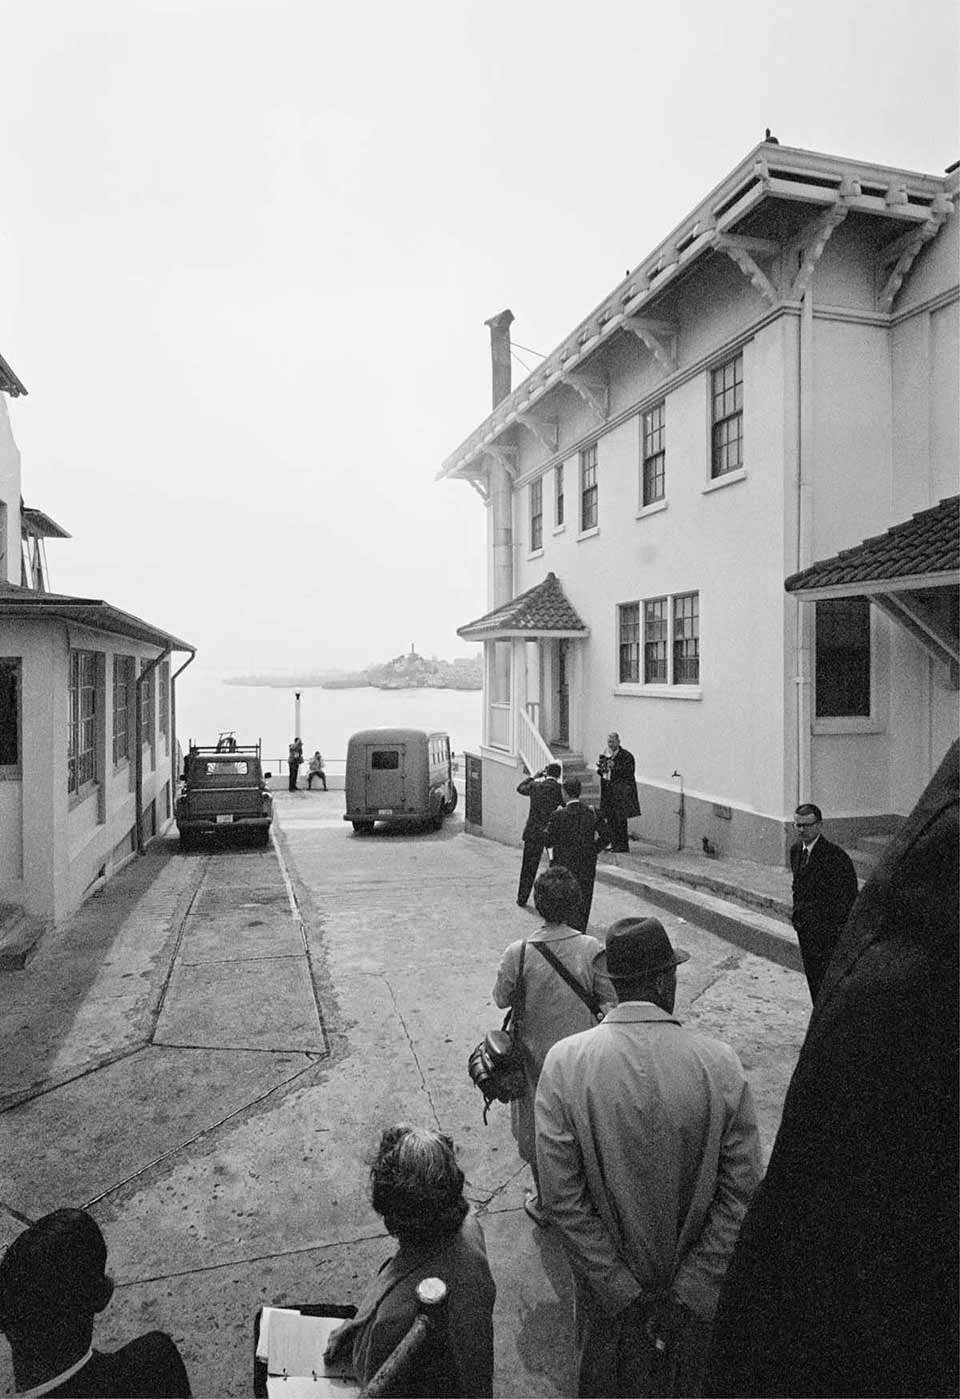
246, 253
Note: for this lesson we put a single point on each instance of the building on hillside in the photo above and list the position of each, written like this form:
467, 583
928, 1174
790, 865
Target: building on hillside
88, 762
774, 383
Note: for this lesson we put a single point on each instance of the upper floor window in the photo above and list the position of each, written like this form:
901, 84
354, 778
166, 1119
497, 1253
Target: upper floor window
536, 513
82, 736
654, 455
558, 494
659, 640
588, 488
843, 658
147, 710
10, 736
122, 696
164, 705
726, 386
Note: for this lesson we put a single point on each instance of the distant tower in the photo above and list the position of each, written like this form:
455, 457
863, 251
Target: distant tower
412, 651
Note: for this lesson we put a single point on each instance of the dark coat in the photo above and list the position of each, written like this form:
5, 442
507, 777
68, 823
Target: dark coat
844, 1279
576, 834
618, 792
545, 795
823, 895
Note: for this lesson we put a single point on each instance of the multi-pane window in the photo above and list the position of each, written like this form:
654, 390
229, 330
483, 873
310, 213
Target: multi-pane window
147, 712
659, 640
726, 386
164, 704
82, 739
536, 513
686, 639
558, 494
10, 715
655, 641
629, 642
588, 488
654, 455
122, 695
843, 658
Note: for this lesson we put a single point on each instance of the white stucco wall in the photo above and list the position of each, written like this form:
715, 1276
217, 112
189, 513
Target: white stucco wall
9, 498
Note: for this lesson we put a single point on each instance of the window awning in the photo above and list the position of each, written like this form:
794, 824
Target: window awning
542, 611
911, 572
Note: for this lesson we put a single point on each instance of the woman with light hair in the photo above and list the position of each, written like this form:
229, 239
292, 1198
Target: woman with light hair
417, 1187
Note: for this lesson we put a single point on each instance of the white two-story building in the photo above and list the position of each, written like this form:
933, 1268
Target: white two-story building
775, 383
87, 720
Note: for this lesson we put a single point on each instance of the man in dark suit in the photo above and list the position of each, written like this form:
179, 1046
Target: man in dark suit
824, 888
618, 791
576, 834
545, 794
844, 1279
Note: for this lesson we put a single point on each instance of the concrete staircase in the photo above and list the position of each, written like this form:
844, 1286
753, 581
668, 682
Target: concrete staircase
575, 765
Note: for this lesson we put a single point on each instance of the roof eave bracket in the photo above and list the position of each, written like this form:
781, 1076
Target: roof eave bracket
660, 337
594, 390
744, 252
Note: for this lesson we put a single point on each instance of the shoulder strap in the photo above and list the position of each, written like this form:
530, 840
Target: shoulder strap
589, 1000
514, 1016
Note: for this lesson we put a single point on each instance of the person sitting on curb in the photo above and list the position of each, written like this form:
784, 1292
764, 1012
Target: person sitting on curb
316, 770
53, 1282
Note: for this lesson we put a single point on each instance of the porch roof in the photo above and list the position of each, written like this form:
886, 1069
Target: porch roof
9, 383
921, 552
542, 610
26, 604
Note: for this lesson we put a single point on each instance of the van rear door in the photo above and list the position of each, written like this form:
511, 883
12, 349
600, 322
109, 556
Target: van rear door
384, 778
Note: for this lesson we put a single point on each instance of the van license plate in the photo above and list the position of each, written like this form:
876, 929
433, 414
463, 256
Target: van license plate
224, 820
385, 811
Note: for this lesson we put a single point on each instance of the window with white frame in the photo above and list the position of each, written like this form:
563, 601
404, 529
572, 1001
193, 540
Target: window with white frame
164, 704
148, 706
82, 737
588, 488
726, 393
842, 652
659, 640
10, 733
558, 494
123, 668
653, 469
536, 514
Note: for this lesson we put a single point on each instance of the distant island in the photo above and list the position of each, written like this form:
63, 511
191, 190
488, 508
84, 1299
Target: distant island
406, 672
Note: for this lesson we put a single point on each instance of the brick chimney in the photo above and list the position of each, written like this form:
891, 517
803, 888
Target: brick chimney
500, 353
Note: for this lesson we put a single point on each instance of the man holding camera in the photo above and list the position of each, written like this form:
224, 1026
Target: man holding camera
618, 791
545, 794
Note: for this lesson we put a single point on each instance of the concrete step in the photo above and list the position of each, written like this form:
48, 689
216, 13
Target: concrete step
19, 935
763, 934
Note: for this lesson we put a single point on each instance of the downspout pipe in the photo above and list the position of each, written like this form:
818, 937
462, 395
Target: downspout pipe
138, 778
802, 549
173, 712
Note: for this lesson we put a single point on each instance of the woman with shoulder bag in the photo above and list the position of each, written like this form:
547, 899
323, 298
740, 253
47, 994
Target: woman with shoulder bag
565, 989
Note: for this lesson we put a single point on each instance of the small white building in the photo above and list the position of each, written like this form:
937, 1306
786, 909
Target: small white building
774, 383
87, 720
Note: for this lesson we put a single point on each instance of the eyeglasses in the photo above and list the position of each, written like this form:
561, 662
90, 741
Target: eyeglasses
803, 825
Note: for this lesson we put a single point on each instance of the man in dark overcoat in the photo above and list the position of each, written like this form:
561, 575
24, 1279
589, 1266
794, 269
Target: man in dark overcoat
618, 791
824, 888
844, 1279
575, 835
545, 794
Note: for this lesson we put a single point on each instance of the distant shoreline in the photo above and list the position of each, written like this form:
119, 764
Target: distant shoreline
292, 683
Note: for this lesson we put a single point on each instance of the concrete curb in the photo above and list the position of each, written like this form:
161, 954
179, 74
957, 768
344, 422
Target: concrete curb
754, 932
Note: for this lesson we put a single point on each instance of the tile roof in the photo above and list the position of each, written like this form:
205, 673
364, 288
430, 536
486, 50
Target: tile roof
9, 383
928, 543
543, 608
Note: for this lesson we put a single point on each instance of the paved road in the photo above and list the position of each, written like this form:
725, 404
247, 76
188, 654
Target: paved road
243, 1025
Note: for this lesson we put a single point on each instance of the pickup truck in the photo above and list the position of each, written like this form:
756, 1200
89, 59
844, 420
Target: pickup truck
223, 788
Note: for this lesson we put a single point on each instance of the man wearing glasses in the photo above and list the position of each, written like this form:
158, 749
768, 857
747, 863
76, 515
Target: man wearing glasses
824, 888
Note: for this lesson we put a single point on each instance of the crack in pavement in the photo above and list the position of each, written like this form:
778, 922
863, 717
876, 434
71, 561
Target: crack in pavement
727, 965
504, 1185
253, 1258
416, 1057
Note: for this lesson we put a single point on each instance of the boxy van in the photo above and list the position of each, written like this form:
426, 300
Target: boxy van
400, 776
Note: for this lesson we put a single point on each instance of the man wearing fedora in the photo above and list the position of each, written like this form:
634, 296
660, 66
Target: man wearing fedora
648, 1155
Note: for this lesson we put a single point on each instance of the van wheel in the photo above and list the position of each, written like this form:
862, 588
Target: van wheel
262, 838
362, 828
451, 805
436, 822
186, 841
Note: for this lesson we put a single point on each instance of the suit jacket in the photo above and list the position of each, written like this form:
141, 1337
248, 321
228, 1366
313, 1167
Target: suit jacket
576, 834
545, 795
618, 791
844, 1280
823, 891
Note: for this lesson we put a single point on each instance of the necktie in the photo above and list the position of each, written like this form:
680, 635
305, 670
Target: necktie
804, 857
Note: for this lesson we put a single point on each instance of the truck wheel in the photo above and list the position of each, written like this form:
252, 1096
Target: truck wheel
362, 828
262, 838
186, 840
